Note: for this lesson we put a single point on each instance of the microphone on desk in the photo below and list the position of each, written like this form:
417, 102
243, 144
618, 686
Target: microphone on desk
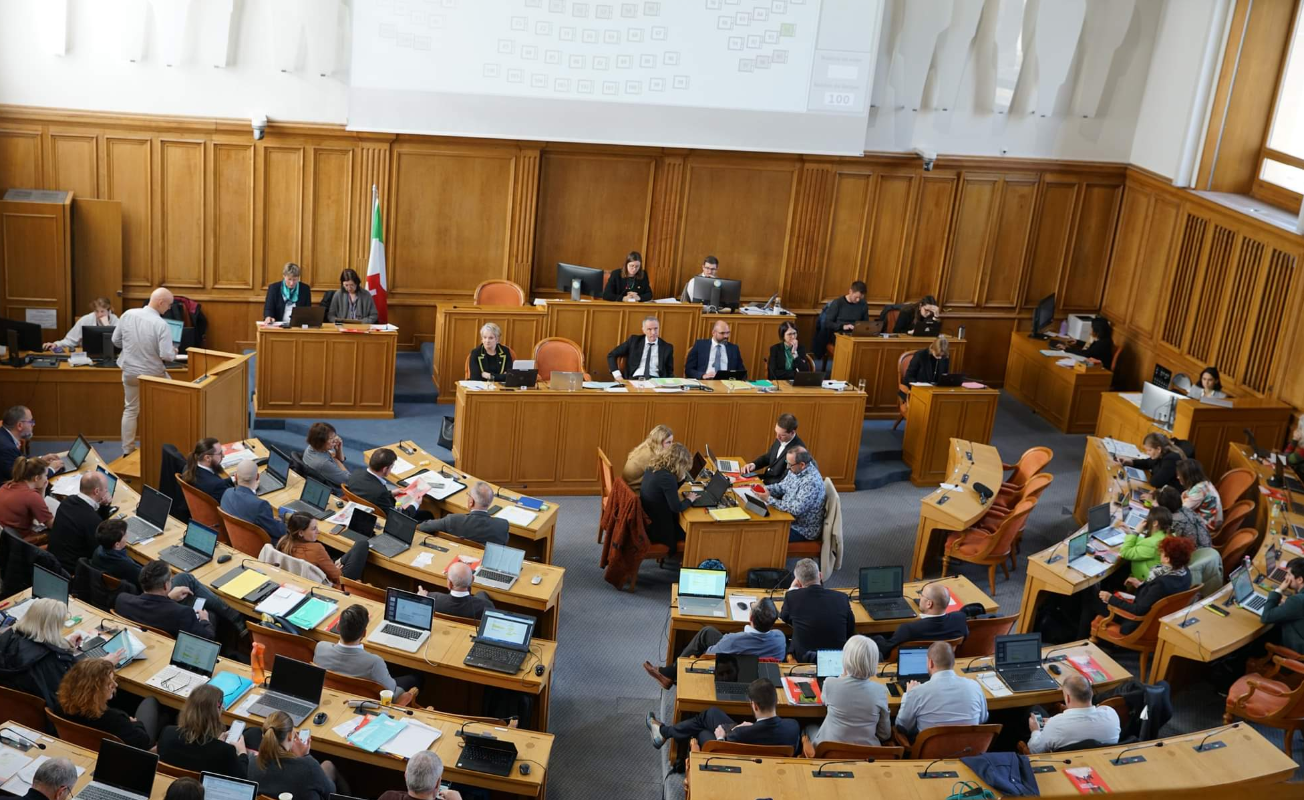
1118, 759
820, 773
1201, 747
928, 774
368, 705
779, 583
102, 628
7, 732
984, 492
504, 720
706, 765
1046, 659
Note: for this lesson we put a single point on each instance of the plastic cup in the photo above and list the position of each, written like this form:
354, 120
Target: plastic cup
386, 697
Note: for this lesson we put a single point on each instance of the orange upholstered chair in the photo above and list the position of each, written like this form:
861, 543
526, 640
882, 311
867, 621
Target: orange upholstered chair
978, 546
981, 640
903, 364
203, 509
1233, 517
559, 354
1029, 464
499, 293
246, 537
1145, 638
1269, 699
1233, 485
943, 741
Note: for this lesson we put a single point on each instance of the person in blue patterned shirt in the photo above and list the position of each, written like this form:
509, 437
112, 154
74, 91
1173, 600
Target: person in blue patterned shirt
801, 494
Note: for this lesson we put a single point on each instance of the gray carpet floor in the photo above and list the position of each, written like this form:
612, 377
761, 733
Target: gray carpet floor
600, 693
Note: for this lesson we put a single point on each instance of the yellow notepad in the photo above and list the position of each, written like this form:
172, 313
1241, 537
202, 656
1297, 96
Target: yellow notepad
243, 584
734, 514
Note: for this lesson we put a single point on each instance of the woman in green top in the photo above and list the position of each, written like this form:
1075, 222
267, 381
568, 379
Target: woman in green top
787, 356
1142, 549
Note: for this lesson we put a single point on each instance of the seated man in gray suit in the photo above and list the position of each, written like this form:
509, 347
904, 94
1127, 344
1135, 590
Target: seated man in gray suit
476, 525
459, 602
348, 657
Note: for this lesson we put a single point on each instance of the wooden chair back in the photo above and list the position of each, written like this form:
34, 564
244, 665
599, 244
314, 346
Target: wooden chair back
280, 643
841, 751
1113, 359
499, 293
1035, 486
1233, 518
79, 734
981, 640
350, 496
111, 583
173, 771
890, 320
246, 537
1233, 485
1146, 634
356, 686
721, 747
891, 656
363, 589
557, 353
1029, 464
942, 741
1238, 544
606, 481
903, 364
1000, 544
26, 709
204, 510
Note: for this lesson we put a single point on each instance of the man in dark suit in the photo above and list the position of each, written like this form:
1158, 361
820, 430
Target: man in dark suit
111, 555
18, 426
646, 356
208, 461
934, 624
476, 525
821, 619
160, 604
459, 602
52, 778
713, 723
717, 354
242, 501
370, 482
774, 463
73, 534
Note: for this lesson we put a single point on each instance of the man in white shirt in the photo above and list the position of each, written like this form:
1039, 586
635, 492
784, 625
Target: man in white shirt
646, 356
146, 343
710, 269
946, 699
716, 354
1080, 721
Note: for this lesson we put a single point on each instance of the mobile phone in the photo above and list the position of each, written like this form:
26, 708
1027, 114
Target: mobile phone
237, 730
895, 689
806, 692
199, 604
1041, 721
303, 735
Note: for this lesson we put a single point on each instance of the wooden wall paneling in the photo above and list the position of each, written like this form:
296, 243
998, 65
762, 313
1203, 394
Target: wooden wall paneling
1262, 363
280, 189
1125, 259
232, 207
34, 261
329, 214
968, 259
1191, 250
525, 206
1156, 265
180, 215
1010, 239
932, 230
893, 211
1237, 327
128, 178
752, 246
1083, 279
809, 235
20, 158
96, 253
73, 164
848, 220
1207, 309
667, 205
1055, 217
611, 194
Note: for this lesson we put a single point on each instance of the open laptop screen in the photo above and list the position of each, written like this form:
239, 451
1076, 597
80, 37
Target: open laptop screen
1019, 648
501, 558
195, 653
154, 507
315, 493
220, 787
400, 526
409, 609
200, 537
363, 522
1098, 517
77, 453
828, 663
1078, 546
702, 582
111, 478
912, 661
505, 629
124, 767
880, 582
297, 679
46, 584
277, 465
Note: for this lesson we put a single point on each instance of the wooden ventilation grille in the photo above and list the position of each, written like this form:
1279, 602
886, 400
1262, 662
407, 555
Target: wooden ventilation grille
1239, 301
1179, 297
1270, 318
1221, 246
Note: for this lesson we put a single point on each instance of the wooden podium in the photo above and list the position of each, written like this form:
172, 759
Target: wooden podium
325, 372
212, 399
1069, 398
873, 359
938, 414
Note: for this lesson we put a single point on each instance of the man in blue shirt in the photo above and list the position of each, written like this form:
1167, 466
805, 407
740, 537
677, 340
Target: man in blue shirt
945, 699
801, 494
242, 501
759, 638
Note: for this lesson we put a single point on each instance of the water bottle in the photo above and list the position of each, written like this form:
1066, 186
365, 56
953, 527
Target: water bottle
960, 333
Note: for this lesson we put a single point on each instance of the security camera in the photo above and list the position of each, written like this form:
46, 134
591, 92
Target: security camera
260, 126
928, 155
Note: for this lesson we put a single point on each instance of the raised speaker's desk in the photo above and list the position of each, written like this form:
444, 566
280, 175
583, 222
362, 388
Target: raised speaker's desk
874, 359
1069, 398
935, 416
955, 509
325, 372
547, 441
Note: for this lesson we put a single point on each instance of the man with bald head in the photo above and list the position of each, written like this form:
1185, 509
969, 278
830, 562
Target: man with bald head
1081, 721
459, 602
944, 699
242, 501
73, 534
146, 344
476, 525
717, 354
934, 622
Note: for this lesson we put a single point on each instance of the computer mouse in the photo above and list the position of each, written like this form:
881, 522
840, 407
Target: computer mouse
524, 769
536, 580
320, 718
225, 557
1054, 669
742, 606
538, 669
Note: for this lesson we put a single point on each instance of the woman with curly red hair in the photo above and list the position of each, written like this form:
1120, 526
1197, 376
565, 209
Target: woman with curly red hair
84, 697
1170, 576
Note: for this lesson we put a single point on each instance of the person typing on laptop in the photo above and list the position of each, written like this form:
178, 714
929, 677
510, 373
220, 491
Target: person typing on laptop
714, 724
944, 699
160, 604
773, 466
1079, 722
1285, 606
350, 657
801, 494
242, 501
476, 525
821, 619
758, 638
934, 623
1169, 577
459, 601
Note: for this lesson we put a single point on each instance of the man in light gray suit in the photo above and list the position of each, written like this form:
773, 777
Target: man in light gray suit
475, 526
349, 657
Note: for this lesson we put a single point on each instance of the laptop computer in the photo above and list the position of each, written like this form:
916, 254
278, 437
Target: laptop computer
1273, 566
151, 516
99, 647
871, 328
47, 584
397, 536
196, 548
220, 787
734, 672
407, 621
277, 473
314, 499
361, 527
192, 663
312, 316
500, 566
110, 477
295, 688
502, 642
486, 754
809, 378
912, 665
882, 593
122, 772
701, 592
713, 492
698, 472
1081, 558
828, 664
951, 379
723, 464
1244, 593
1018, 662
730, 375
76, 454
520, 378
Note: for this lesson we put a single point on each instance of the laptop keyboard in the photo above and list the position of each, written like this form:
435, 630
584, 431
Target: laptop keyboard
728, 690
310, 510
186, 559
495, 575
285, 704
93, 792
1256, 603
140, 527
94, 648
1022, 673
401, 632
491, 759
497, 655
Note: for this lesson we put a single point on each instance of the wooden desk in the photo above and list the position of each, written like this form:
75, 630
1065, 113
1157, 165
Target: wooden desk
1176, 772
325, 372
756, 543
935, 416
873, 359
967, 463
547, 440
1069, 399
1241, 456
79, 756
1097, 485
596, 326
684, 626
1208, 427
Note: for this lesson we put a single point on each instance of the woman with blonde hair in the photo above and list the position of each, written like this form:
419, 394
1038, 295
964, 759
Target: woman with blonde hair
638, 460
284, 763
84, 698
659, 493
856, 703
929, 364
34, 655
195, 742
491, 358
22, 500
286, 295
100, 316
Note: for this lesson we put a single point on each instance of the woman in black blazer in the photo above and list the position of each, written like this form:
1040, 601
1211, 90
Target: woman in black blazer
629, 283
491, 358
1163, 455
289, 291
195, 742
929, 363
1101, 344
660, 494
787, 356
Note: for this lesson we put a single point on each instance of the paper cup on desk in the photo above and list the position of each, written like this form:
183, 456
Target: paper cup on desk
386, 697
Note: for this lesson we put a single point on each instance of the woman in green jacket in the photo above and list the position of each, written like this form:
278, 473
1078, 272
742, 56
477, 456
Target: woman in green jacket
1142, 549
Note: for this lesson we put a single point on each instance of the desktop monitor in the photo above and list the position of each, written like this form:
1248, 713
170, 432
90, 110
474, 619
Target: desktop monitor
97, 341
716, 292
1042, 316
579, 280
29, 334
1161, 376
1158, 404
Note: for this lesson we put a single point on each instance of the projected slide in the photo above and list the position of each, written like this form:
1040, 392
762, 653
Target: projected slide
455, 65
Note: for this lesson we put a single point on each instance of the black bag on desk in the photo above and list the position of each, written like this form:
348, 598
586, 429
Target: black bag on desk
446, 433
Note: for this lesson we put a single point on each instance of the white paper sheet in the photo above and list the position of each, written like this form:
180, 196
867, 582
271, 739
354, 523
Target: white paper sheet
741, 614
411, 740
28, 772
402, 466
235, 458
79, 360
519, 517
423, 560
66, 485
348, 726
994, 685
242, 710
474, 386
176, 681
617, 389
281, 601
345, 514
11, 761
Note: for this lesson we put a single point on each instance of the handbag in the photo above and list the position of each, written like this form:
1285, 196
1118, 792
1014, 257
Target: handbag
968, 790
446, 433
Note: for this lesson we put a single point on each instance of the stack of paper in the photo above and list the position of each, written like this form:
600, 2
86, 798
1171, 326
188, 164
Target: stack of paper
994, 685
402, 466
177, 681
475, 386
281, 601
11, 761
734, 514
345, 514
835, 385
377, 731
243, 584
385, 328
312, 612
414, 738
66, 485
517, 516
79, 360
21, 782
600, 384
234, 453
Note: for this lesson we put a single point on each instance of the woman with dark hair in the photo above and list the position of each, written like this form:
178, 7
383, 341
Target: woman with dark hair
1186, 522
325, 453
1100, 347
1210, 385
300, 541
204, 469
1199, 494
787, 356
284, 764
195, 742
1162, 457
629, 283
920, 319
1170, 576
351, 301
185, 789
84, 698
